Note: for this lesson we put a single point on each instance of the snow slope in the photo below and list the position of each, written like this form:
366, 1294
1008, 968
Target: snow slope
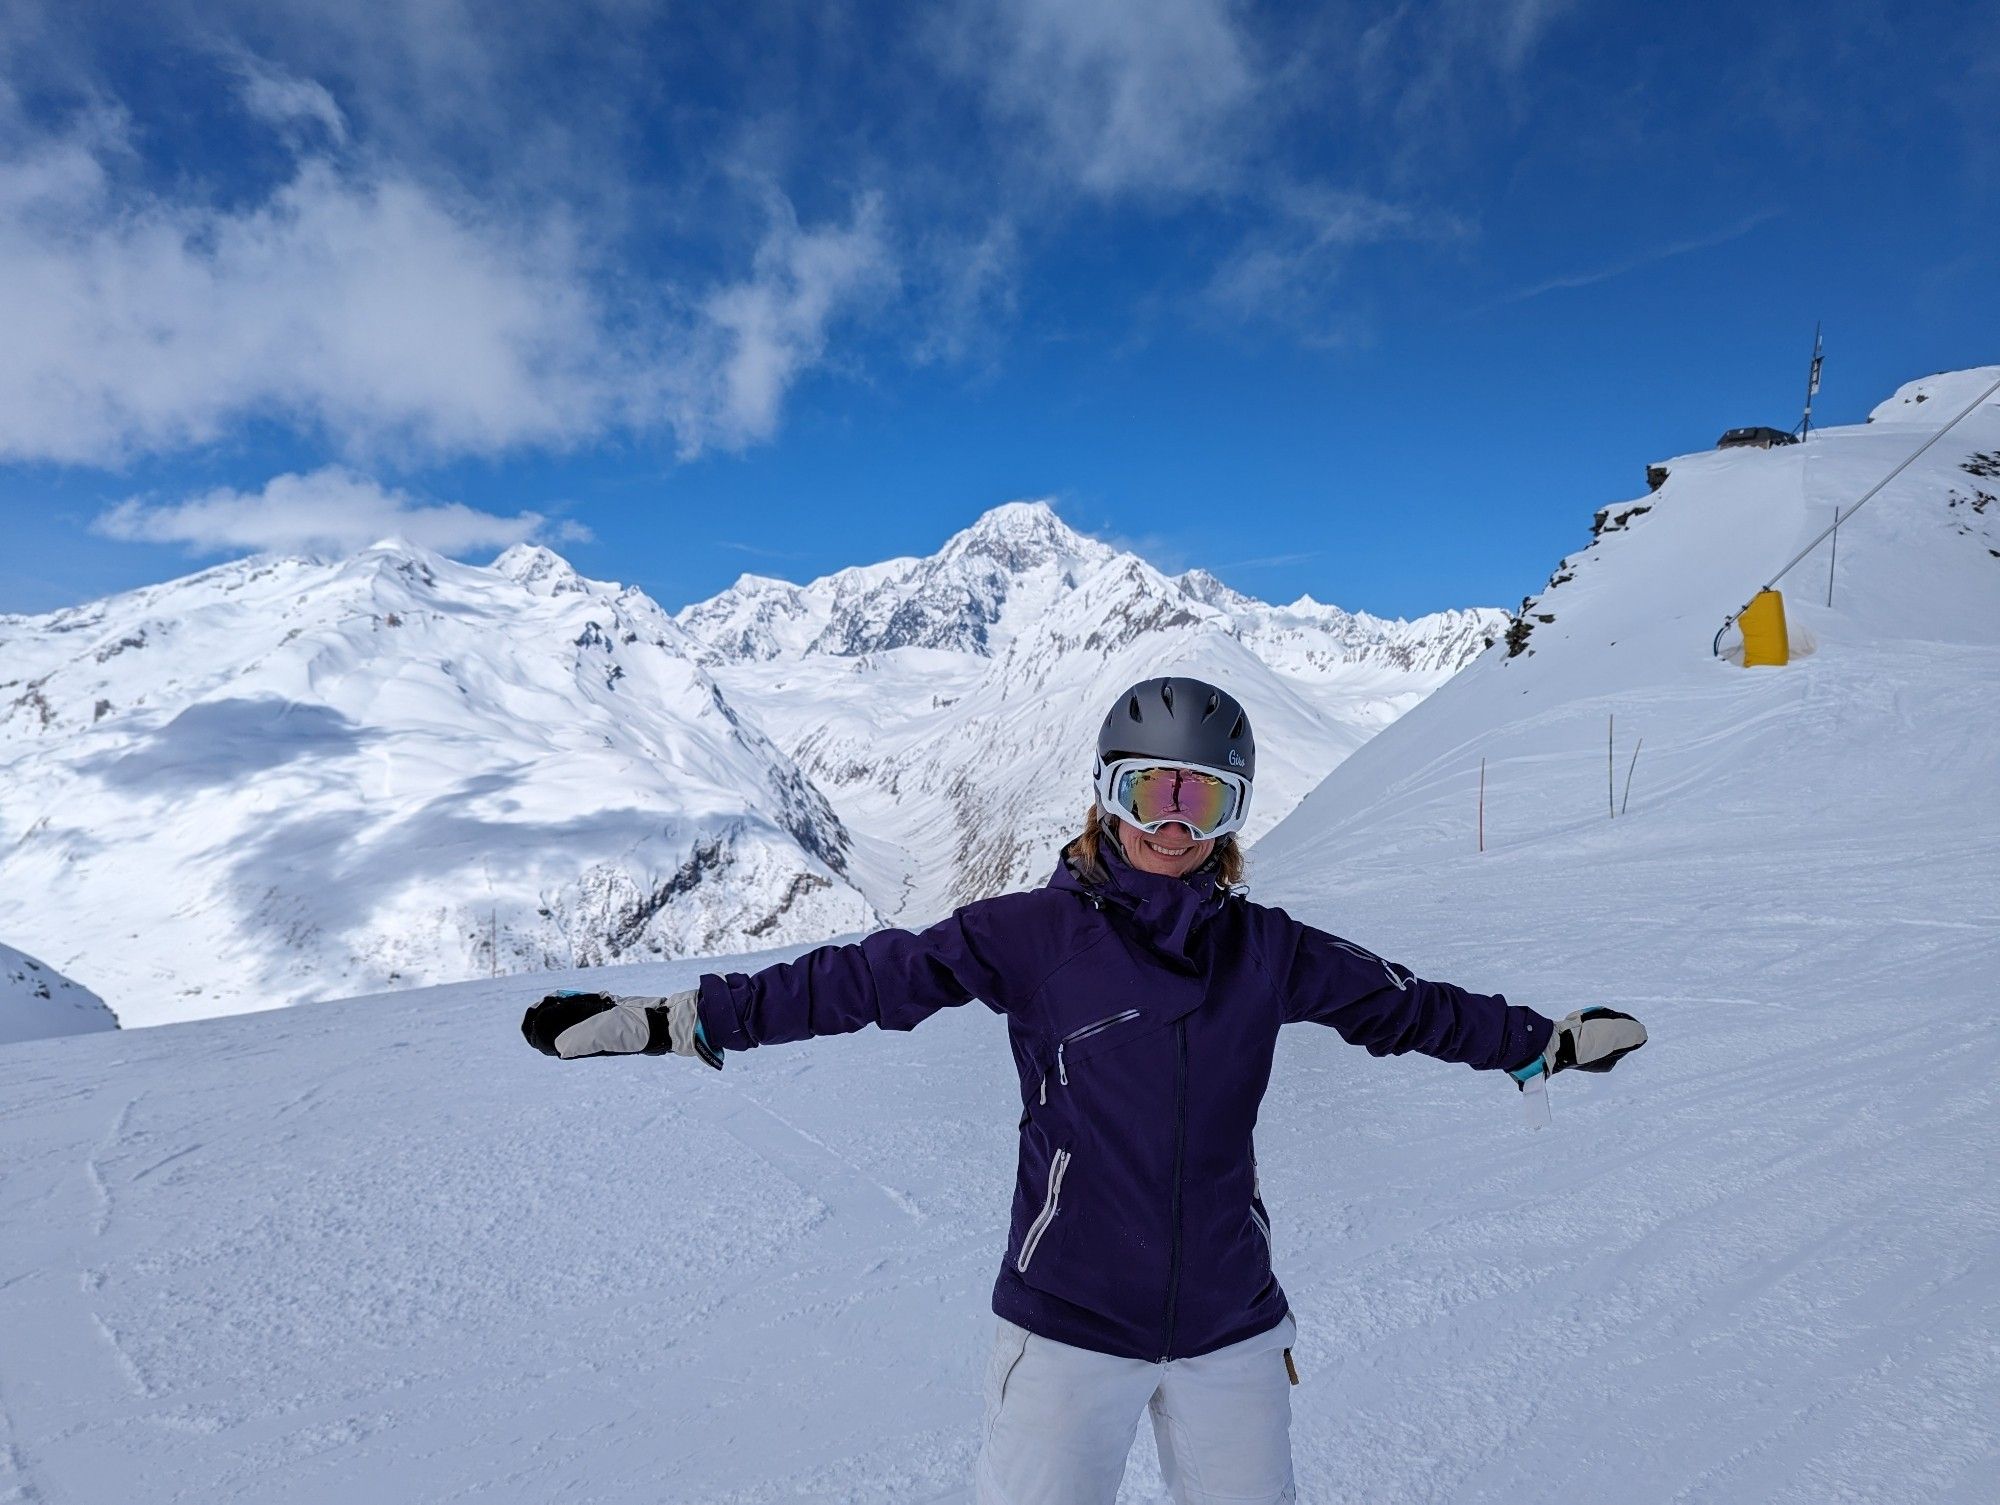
381, 1250
37, 1002
286, 779
1765, 1260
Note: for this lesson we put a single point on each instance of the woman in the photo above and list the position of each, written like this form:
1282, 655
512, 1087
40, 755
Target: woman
1143, 996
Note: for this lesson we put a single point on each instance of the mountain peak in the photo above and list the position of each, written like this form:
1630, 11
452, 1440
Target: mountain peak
1204, 587
539, 569
1021, 535
401, 546
750, 583
1034, 515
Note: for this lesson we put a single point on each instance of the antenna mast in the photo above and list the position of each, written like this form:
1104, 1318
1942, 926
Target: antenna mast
1812, 384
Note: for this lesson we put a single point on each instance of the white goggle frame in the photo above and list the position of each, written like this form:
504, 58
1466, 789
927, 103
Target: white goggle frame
1105, 783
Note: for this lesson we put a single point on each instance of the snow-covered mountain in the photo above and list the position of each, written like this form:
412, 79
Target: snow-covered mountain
284, 779
37, 1002
1017, 556
1626, 626
271, 1258
1013, 564
948, 705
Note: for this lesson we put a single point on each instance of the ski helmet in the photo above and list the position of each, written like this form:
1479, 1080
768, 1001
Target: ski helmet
1178, 720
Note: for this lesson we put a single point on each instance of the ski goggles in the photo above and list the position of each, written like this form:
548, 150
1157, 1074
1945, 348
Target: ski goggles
1210, 802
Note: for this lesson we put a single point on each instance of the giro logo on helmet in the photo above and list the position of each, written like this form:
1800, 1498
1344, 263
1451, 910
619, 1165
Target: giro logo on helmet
1235, 758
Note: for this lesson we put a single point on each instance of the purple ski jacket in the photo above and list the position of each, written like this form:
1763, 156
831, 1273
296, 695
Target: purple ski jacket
1143, 1013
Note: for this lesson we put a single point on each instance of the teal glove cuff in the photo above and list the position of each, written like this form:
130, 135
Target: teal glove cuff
708, 1053
1526, 1074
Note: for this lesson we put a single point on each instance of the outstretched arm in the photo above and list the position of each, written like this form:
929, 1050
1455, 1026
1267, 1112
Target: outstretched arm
894, 978
1389, 1010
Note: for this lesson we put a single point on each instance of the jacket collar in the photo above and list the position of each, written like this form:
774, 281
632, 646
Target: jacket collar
1167, 914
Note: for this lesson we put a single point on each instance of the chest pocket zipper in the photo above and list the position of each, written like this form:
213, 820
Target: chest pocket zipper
1058, 1167
1062, 1072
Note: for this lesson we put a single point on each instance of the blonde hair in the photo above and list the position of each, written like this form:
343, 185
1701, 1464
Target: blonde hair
1086, 850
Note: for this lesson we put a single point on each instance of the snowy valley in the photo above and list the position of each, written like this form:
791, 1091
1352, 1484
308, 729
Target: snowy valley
287, 779
377, 1249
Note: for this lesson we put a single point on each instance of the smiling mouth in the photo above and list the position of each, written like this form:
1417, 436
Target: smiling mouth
1168, 851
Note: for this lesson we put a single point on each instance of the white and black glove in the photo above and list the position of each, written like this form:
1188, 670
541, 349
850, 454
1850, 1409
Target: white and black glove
1588, 1040
572, 1025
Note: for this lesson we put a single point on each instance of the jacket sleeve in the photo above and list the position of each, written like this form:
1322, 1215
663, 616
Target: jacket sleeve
1389, 1010
893, 978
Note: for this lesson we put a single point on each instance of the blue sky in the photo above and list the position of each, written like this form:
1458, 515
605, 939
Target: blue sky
1372, 301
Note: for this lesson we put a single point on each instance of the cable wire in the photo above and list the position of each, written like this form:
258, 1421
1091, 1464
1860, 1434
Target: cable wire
1839, 517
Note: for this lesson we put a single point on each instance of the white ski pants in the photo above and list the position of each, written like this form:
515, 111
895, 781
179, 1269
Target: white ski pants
1060, 1422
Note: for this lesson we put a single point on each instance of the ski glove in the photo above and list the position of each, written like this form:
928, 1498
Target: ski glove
572, 1025
1589, 1040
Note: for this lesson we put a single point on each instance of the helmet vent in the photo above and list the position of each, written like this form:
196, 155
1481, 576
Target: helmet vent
1167, 693
1237, 730
1133, 707
1214, 703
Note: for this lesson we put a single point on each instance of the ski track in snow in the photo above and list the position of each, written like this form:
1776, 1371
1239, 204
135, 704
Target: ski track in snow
93, 1169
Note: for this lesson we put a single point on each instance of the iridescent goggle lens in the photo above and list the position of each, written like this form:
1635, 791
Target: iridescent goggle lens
1203, 802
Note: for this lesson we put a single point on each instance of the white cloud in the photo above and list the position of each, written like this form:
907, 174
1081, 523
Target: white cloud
1448, 74
1653, 254
971, 288
1122, 95
1519, 26
332, 510
1287, 270
367, 306
1185, 103
376, 310
758, 335
284, 99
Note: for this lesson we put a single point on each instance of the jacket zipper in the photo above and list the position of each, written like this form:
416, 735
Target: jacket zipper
1180, 1153
1050, 1205
1062, 1074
